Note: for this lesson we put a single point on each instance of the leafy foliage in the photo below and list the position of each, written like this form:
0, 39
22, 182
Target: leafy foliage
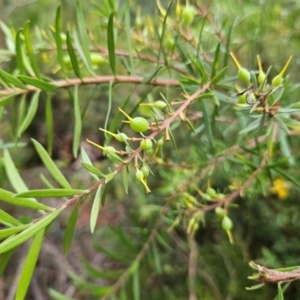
198, 155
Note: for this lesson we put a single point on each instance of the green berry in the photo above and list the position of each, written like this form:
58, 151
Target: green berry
159, 104
188, 14
97, 59
244, 75
227, 223
261, 77
146, 144
277, 80
145, 171
211, 192
220, 211
139, 175
160, 142
121, 137
139, 124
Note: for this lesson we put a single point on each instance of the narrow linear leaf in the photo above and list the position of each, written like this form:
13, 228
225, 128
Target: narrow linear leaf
4, 233
93, 170
87, 161
29, 232
30, 113
9, 197
219, 76
111, 42
51, 193
95, 209
30, 51
12, 80
59, 49
280, 292
50, 165
13, 175
81, 53
49, 123
73, 56
84, 37
207, 126
29, 265
104, 194
215, 64
70, 229
4, 259
20, 53
136, 285
78, 123
7, 218
39, 83
108, 109
58, 296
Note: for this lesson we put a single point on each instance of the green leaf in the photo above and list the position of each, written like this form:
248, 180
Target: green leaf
50, 165
215, 63
108, 109
51, 193
78, 123
4, 259
58, 296
280, 293
95, 209
136, 285
13, 175
93, 170
29, 232
104, 194
20, 53
30, 113
29, 265
30, 51
39, 83
87, 161
70, 229
9, 197
4, 233
73, 56
12, 80
219, 76
6, 99
208, 126
49, 123
59, 48
84, 37
111, 42
6, 218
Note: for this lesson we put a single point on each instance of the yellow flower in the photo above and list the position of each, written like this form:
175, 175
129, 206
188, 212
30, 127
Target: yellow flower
280, 187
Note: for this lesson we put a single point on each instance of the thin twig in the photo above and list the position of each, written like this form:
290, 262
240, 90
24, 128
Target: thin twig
139, 257
192, 267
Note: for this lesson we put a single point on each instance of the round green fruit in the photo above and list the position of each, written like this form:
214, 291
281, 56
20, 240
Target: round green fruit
139, 124
146, 144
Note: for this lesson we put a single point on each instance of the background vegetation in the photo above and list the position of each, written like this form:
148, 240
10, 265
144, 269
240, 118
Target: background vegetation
224, 176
